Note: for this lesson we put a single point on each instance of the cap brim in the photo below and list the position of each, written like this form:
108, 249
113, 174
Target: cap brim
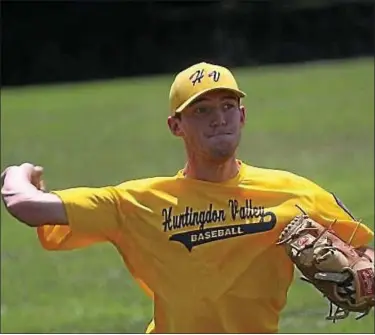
239, 93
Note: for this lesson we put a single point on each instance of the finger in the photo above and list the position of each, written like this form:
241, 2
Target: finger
37, 172
38, 168
27, 166
36, 177
42, 185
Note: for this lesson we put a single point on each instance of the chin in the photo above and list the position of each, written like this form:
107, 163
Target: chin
222, 154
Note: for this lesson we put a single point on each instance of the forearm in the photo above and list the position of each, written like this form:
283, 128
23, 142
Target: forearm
27, 203
17, 194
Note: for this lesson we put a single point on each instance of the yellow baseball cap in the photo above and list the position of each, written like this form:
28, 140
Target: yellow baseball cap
198, 79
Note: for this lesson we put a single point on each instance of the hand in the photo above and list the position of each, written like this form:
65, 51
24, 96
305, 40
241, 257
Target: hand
32, 172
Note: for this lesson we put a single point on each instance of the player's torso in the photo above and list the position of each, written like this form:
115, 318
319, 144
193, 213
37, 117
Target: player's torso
207, 235
202, 246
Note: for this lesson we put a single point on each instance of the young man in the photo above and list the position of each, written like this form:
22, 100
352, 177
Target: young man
202, 242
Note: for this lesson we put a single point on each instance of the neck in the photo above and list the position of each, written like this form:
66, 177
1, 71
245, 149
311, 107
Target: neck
211, 171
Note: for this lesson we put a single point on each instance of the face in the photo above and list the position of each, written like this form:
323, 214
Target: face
211, 125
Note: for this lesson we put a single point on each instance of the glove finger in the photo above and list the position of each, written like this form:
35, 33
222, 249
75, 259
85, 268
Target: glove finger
337, 277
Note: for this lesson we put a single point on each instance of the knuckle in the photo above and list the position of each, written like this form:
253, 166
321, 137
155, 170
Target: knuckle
27, 165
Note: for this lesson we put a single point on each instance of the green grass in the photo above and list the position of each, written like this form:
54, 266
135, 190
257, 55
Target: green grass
315, 120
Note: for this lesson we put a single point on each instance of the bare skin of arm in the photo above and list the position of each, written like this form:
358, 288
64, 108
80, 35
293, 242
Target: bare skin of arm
25, 200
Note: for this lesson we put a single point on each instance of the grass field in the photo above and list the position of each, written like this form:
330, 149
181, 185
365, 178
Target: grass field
315, 120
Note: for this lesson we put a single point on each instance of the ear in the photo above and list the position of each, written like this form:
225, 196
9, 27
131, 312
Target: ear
242, 115
174, 125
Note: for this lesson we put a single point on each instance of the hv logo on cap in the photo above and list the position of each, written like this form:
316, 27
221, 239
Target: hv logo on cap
198, 79
198, 75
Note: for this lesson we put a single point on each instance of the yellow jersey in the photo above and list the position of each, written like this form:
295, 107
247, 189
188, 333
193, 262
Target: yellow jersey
204, 251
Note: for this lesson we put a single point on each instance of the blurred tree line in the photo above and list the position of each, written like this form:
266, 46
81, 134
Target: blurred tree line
51, 41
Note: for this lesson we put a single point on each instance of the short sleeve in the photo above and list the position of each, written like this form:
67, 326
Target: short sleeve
93, 216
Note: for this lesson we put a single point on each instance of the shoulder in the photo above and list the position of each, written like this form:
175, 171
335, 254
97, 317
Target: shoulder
318, 197
147, 184
279, 178
145, 193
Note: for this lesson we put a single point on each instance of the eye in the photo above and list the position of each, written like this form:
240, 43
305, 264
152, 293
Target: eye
228, 106
202, 110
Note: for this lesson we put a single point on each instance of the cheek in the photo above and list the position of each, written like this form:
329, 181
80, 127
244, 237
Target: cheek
193, 133
189, 128
235, 120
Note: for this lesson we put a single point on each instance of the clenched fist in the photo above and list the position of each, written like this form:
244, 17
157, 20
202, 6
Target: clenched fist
32, 172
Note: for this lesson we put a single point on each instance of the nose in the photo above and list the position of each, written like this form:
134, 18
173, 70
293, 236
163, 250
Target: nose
218, 118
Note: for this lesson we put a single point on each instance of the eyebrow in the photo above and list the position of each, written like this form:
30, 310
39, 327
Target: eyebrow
226, 97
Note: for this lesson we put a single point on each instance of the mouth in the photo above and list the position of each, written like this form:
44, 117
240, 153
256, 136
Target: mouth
220, 134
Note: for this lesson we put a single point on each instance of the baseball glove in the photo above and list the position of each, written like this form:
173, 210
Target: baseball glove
343, 274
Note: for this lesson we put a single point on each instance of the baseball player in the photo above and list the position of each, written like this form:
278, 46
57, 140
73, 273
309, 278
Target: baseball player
215, 244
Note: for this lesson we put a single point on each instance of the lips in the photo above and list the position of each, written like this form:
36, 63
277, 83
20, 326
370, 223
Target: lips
219, 134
